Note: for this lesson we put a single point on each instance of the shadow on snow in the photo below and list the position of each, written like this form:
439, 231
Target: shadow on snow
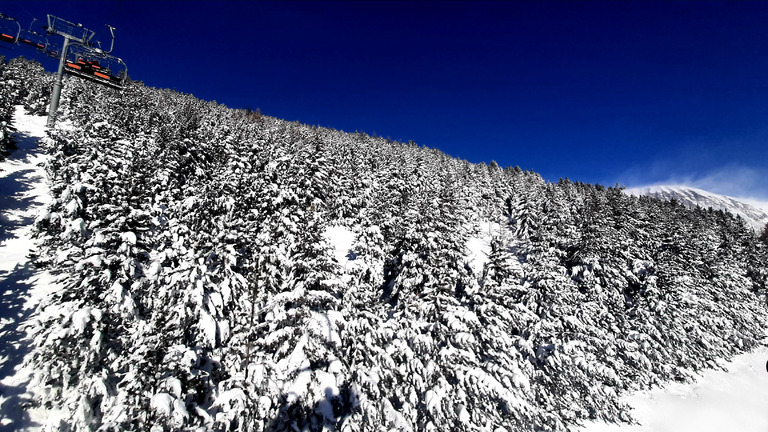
15, 186
15, 285
326, 414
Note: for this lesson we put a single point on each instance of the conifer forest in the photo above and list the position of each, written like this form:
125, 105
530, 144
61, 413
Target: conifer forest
200, 289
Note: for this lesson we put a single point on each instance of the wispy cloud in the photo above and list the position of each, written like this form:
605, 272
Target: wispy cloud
732, 164
737, 181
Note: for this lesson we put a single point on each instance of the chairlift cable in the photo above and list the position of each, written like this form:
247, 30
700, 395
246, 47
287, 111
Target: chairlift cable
114, 11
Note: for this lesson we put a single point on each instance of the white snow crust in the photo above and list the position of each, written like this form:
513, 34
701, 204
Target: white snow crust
341, 239
479, 246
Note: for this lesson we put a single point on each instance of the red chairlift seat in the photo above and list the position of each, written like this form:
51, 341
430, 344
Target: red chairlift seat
91, 70
31, 43
90, 62
9, 29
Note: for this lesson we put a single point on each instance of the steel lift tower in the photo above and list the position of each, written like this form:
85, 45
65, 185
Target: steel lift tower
70, 32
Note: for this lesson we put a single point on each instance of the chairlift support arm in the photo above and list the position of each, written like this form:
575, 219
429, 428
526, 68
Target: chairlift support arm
112, 44
69, 30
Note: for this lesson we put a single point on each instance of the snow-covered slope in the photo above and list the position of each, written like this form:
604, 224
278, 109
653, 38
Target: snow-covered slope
720, 400
753, 212
23, 194
220, 271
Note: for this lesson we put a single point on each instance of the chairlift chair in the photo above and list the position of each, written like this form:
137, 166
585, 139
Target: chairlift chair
33, 38
93, 64
9, 29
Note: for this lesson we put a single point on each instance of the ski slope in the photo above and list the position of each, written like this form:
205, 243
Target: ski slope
23, 194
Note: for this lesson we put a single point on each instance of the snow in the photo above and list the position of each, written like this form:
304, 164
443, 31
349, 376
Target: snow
732, 400
762, 205
208, 327
341, 239
753, 211
129, 237
326, 390
23, 195
479, 247
162, 403
80, 319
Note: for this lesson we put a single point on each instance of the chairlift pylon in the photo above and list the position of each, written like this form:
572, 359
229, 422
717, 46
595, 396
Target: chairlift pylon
10, 29
80, 58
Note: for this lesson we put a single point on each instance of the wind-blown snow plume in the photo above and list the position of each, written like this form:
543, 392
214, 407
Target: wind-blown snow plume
754, 213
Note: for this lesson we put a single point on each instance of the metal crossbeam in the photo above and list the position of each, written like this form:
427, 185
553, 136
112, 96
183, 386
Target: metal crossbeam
69, 30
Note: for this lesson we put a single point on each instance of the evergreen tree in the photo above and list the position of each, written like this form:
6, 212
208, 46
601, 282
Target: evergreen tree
199, 289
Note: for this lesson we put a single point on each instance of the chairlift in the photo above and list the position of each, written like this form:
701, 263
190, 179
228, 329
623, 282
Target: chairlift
94, 64
79, 57
9, 29
52, 51
33, 38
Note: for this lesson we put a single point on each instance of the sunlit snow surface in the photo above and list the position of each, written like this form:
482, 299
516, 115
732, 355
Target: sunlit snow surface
341, 239
23, 194
736, 400
479, 247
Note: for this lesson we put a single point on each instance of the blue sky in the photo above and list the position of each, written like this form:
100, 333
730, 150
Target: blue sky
610, 92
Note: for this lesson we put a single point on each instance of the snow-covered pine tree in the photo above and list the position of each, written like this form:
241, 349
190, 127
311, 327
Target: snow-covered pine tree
199, 291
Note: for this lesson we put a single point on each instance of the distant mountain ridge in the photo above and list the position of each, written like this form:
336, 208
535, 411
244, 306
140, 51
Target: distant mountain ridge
756, 214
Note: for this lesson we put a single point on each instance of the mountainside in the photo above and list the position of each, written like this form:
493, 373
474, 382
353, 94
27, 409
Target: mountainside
205, 284
755, 216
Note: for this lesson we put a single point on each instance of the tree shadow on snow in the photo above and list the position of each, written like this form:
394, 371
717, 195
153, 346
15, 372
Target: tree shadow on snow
329, 412
16, 201
14, 286
15, 188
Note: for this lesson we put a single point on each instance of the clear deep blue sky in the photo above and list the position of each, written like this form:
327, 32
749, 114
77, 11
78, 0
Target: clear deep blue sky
602, 92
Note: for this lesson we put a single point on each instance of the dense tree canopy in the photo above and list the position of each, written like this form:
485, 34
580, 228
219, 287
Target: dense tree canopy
199, 288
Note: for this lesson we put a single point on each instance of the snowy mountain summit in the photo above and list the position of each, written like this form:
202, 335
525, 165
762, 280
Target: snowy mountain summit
755, 214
